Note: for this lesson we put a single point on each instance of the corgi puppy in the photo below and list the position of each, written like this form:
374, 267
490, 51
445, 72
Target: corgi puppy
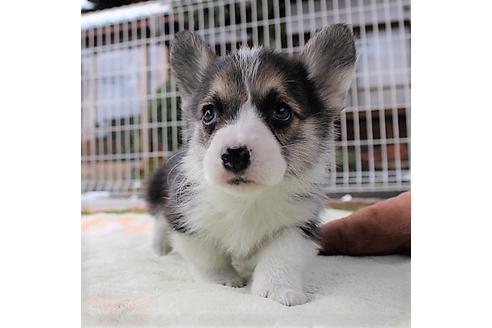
241, 200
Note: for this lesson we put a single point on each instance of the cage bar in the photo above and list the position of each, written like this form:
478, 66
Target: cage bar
131, 120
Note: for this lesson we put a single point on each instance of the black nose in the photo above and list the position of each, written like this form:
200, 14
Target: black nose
235, 159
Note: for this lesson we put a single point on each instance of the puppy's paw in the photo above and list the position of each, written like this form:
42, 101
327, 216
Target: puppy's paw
227, 278
160, 237
236, 282
161, 247
281, 294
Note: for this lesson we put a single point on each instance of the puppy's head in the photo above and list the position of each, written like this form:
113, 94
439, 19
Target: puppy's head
256, 116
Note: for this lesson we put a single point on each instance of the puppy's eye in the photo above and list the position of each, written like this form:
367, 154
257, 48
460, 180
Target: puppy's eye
282, 114
210, 115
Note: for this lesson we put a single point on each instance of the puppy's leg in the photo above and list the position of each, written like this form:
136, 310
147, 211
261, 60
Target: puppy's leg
160, 236
278, 274
207, 262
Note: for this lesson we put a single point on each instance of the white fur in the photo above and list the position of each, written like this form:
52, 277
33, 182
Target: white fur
278, 273
248, 62
277, 266
267, 164
239, 224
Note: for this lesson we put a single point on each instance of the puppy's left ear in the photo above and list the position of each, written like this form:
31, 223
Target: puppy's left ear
330, 59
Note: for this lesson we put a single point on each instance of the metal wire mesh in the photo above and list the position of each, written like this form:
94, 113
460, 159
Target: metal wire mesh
131, 120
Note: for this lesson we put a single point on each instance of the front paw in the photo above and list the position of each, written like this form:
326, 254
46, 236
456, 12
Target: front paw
236, 282
227, 278
283, 295
160, 237
161, 246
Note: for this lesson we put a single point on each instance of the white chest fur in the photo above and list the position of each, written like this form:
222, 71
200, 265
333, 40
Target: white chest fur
239, 225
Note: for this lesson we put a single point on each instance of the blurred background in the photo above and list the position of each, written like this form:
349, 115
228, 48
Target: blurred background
131, 119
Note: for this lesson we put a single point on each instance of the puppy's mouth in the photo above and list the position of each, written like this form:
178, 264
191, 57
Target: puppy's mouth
238, 180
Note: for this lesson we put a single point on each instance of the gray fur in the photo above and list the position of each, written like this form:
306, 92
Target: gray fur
167, 190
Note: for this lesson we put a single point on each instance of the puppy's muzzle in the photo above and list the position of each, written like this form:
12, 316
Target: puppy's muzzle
236, 159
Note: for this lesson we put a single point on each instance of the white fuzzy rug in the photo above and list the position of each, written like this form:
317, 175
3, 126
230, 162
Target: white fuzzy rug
125, 284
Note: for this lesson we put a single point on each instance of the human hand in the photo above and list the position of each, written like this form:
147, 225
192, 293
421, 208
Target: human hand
380, 229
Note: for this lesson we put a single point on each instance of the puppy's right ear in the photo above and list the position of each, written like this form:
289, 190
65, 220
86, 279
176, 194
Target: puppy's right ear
190, 56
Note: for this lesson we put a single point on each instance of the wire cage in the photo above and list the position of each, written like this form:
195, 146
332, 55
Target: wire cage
131, 119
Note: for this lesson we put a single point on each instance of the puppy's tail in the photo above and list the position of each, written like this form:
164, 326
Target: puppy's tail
161, 235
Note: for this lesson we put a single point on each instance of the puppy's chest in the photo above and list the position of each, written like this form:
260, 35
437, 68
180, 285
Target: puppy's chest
240, 228
237, 231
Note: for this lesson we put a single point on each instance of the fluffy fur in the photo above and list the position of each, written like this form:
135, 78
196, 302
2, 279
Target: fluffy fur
259, 221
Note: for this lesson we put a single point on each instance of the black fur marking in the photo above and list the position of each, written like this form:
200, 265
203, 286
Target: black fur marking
166, 190
294, 79
311, 229
177, 223
228, 100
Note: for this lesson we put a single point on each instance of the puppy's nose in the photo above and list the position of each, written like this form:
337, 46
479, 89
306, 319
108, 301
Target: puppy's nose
235, 159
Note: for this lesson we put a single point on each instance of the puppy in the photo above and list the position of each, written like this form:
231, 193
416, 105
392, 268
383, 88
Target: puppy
243, 196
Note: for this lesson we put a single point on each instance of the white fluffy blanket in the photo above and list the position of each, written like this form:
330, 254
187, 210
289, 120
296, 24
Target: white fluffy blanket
125, 284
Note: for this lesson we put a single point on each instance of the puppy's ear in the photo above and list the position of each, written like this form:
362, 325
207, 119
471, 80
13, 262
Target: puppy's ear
190, 56
330, 59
